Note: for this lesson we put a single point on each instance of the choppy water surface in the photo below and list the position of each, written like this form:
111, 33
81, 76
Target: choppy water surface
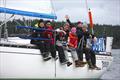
114, 72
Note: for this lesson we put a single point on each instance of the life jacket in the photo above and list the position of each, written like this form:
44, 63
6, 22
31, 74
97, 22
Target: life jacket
49, 34
72, 40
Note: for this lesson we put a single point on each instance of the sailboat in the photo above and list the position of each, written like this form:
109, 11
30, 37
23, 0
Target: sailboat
20, 59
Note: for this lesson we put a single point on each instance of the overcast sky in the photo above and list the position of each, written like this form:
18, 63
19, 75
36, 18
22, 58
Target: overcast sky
104, 11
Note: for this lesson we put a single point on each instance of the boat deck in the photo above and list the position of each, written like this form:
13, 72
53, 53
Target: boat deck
17, 43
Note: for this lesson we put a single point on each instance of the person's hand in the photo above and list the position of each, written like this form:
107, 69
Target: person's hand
64, 32
95, 39
90, 36
66, 16
49, 36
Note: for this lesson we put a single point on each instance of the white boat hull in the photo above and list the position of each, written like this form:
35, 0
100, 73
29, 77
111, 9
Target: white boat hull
27, 63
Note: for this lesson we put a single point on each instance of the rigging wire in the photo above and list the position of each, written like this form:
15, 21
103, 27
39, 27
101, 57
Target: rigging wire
87, 8
54, 13
54, 33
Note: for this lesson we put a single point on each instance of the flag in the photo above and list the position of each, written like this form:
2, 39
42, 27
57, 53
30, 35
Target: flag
90, 19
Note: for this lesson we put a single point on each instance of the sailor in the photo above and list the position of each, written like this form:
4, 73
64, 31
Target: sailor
67, 26
89, 53
79, 35
41, 43
50, 35
72, 44
60, 38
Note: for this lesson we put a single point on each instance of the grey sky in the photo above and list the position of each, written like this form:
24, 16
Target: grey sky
104, 11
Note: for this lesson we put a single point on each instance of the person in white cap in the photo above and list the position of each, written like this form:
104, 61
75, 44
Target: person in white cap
89, 53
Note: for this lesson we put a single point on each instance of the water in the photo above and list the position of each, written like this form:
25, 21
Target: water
114, 72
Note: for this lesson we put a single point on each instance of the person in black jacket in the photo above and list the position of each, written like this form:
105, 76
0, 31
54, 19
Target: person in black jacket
51, 43
83, 35
41, 44
79, 35
60, 38
89, 53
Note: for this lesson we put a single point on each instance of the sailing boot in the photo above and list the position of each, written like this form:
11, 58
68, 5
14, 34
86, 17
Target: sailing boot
63, 62
55, 58
69, 63
97, 68
90, 65
77, 63
81, 64
46, 56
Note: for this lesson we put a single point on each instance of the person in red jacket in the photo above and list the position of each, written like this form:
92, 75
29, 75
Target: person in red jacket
72, 44
73, 39
41, 43
49, 34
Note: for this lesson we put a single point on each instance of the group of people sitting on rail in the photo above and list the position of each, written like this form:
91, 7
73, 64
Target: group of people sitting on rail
64, 39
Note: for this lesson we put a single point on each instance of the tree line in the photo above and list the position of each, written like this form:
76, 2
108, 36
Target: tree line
100, 30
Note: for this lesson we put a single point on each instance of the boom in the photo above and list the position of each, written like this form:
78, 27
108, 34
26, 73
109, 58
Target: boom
27, 13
